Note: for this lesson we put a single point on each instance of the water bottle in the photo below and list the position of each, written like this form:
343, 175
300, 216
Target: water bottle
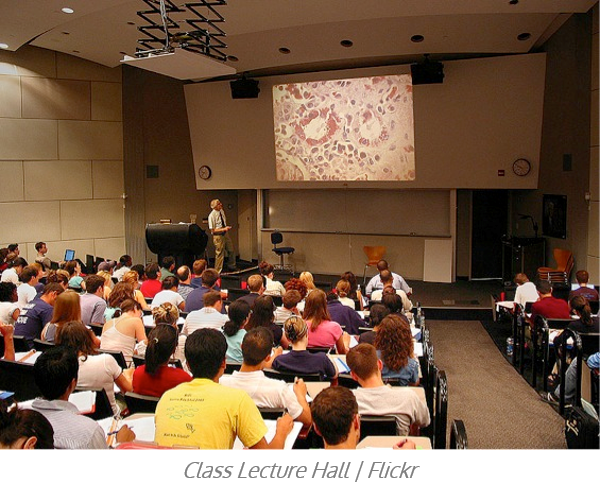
422, 319
509, 346
419, 316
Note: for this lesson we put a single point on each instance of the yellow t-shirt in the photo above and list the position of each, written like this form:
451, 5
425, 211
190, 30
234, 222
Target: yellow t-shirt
207, 415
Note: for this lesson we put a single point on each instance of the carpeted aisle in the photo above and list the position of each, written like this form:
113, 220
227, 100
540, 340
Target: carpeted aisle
499, 409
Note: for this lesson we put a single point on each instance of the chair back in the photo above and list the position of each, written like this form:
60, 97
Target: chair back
564, 260
21, 344
41, 345
458, 435
102, 407
377, 425
117, 355
18, 378
374, 253
559, 323
347, 381
594, 307
230, 367
140, 403
271, 413
276, 238
590, 343
96, 329
319, 349
440, 418
291, 376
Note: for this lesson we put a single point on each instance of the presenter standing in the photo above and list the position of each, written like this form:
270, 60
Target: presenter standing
217, 223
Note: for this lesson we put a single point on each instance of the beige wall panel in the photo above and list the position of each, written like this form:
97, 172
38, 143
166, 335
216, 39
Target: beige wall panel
28, 139
28, 61
106, 102
30, 221
10, 96
594, 174
58, 180
437, 266
107, 177
92, 219
111, 248
11, 185
593, 231
593, 267
90, 140
594, 127
69, 67
337, 253
55, 99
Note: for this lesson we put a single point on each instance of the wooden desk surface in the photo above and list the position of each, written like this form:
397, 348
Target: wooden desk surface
421, 442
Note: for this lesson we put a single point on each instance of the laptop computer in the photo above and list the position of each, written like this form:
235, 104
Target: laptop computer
69, 255
575, 286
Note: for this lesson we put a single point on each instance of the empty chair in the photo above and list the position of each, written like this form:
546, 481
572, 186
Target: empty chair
281, 251
374, 254
458, 435
291, 376
562, 272
140, 403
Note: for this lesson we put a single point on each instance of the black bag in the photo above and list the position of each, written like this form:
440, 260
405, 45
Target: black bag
581, 430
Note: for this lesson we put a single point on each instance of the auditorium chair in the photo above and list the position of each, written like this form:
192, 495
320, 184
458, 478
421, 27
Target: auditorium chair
458, 435
281, 251
374, 254
562, 272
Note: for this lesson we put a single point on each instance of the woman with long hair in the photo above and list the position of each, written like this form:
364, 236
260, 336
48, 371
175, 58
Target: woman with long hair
307, 278
342, 288
354, 294
66, 308
299, 360
59, 276
133, 278
239, 314
156, 376
395, 348
263, 315
108, 285
74, 270
24, 429
122, 333
377, 313
96, 370
272, 287
121, 292
322, 331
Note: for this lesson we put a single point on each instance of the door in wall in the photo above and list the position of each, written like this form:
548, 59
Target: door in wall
489, 222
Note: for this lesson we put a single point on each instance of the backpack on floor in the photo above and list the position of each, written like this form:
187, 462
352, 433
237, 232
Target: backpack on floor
581, 430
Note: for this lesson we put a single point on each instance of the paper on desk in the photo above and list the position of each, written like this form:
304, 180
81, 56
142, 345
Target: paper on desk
353, 341
418, 349
27, 356
272, 427
143, 427
341, 365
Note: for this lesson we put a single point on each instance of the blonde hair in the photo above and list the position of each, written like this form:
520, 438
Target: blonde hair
131, 276
307, 278
343, 288
105, 275
295, 328
166, 313
66, 308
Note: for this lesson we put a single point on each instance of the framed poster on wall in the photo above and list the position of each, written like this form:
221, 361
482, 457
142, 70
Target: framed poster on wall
554, 221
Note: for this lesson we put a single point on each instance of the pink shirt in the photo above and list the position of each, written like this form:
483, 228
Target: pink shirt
327, 334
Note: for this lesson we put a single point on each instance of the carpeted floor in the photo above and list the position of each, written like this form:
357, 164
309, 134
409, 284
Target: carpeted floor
499, 409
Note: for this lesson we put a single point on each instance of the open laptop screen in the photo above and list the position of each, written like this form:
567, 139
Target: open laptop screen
69, 255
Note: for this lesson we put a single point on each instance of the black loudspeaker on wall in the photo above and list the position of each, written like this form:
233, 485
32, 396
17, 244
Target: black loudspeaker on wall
244, 88
427, 73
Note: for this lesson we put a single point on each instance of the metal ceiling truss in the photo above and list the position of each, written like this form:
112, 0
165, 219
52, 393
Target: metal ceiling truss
192, 26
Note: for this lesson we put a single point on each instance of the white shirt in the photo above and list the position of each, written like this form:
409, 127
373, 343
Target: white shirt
399, 283
10, 275
205, 317
266, 392
167, 295
26, 293
401, 402
99, 371
274, 288
120, 272
526, 292
406, 303
215, 221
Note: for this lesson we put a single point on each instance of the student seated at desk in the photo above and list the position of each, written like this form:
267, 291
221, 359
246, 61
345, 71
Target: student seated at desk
24, 429
376, 398
299, 360
257, 347
336, 419
395, 347
322, 331
125, 331
239, 314
526, 290
156, 376
376, 314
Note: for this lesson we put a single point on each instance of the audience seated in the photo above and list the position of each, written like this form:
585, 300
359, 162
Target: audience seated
354, 294
289, 306
56, 375
344, 315
198, 268
220, 413
300, 286
16, 265
266, 392
208, 316
322, 331
108, 283
92, 302
37, 313
255, 284
133, 278
184, 276
24, 429
30, 276
272, 287
7, 331
169, 293
152, 284
195, 300
307, 278
526, 290
124, 266
394, 304
548, 306
583, 277
377, 313
299, 360
121, 292
167, 266
388, 288
375, 282
263, 315
96, 370
156, 376
9, 310
234, 329
168, 314
395, 348
123, 332
66, 309
376, 398
74, 270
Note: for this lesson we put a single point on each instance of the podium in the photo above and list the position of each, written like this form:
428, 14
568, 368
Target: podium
522, 255
185, 242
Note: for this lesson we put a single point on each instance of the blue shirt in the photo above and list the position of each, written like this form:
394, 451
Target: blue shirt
345, 316
409, 374
32, 319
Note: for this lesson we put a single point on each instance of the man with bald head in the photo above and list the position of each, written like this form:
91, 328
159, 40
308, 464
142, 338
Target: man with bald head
376, 283
217, 223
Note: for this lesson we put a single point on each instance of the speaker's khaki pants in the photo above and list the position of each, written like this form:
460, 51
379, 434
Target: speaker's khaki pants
223, 248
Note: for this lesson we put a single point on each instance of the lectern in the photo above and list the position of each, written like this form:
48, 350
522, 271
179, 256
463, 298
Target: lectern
522, 255
185, 242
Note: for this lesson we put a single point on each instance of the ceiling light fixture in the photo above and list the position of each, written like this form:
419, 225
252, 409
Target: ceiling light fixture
523, 36
3, 46
284, 50
346, 43
67, 10
417, 38
232, 58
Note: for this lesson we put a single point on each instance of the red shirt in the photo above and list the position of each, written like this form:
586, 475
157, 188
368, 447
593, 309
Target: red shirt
551, 308
164, 378
150, 287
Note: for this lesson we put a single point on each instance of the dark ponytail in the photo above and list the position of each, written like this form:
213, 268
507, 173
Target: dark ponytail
238, 312
162, 343
582, 307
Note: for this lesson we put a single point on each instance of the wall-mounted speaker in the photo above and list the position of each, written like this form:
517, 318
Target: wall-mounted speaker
427, 73
244, 88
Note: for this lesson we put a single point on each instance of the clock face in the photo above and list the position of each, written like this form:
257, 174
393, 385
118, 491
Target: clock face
521, 167
204, 172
